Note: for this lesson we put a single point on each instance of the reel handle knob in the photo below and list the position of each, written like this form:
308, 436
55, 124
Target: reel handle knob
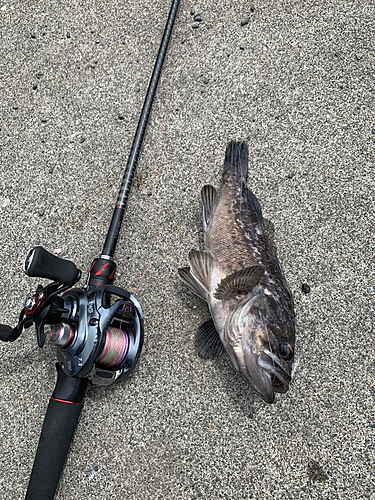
7, 334
41, 264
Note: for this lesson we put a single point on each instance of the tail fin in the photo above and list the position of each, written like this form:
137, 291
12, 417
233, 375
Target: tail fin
236, 161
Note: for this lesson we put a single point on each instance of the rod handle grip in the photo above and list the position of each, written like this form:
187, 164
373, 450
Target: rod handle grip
41, 264
57, 432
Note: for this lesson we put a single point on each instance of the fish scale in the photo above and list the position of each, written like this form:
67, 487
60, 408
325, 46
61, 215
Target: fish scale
233, 248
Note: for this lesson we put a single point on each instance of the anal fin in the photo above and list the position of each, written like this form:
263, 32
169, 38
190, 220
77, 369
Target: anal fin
198, 276
207, 341
192, 283
201, 266
209, 202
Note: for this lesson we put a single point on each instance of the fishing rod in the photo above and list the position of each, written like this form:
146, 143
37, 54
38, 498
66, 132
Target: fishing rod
97, 330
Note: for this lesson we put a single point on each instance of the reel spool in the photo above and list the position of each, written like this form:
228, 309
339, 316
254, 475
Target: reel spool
115, 348
97, 330
101, 334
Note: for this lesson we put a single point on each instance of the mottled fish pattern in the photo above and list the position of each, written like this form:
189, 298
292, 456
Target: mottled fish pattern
240, 278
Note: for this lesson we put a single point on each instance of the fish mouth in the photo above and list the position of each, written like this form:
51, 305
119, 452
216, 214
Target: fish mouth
277, 370
269, 374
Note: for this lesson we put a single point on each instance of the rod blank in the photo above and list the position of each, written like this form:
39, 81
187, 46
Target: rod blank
114, 229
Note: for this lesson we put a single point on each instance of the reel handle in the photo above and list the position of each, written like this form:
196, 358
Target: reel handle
41, 264
58, 428
7, 334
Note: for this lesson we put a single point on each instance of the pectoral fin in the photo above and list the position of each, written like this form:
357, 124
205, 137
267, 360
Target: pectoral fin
239, 283
207, 341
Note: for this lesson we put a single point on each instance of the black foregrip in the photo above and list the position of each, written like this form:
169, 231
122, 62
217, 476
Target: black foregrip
41, 264
57, 432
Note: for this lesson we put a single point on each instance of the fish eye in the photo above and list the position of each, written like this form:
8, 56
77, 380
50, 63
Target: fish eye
286, 350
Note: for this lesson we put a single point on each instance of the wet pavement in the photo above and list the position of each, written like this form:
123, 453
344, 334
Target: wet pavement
296, 81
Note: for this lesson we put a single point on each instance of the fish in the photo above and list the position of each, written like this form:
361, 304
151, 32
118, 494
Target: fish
240, 278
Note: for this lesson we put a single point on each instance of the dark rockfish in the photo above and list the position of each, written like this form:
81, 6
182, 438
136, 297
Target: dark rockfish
241, 280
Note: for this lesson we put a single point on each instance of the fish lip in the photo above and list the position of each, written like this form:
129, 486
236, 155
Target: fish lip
258, 377
277, 371
268, 393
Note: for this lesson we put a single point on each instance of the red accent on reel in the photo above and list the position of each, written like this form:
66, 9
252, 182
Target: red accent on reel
95, 282
33, 302
61, 335
101, 270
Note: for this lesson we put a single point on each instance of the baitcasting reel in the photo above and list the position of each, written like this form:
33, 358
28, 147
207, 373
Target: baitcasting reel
98, 334
97, 330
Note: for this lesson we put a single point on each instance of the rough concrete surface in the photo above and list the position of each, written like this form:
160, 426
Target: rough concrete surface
297, 83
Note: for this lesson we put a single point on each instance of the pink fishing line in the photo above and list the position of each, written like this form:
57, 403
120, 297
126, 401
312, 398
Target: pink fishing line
159, 148
115, 348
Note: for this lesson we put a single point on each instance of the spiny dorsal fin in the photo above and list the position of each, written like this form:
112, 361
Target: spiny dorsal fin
207, 341
239, 283
192, 283
209, 202
201, 267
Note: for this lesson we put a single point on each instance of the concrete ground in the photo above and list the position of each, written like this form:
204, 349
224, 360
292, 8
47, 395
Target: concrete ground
297, 83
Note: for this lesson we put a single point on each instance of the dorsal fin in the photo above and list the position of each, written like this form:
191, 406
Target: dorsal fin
209, 202
239, 283
255, 206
